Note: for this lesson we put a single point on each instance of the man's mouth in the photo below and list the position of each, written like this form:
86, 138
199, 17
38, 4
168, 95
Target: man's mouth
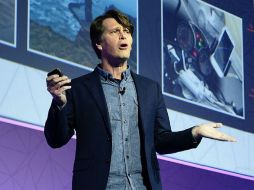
123, 46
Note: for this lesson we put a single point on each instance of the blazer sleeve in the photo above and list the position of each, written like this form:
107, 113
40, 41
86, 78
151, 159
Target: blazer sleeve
167, 141
59, 126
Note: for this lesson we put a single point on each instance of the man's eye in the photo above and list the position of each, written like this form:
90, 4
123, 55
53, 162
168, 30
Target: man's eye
126, 30
115, 31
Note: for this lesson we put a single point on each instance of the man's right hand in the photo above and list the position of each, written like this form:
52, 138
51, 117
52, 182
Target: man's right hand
57, 86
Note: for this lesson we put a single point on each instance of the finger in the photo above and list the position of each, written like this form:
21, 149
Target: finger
225, 137
218, 125
61, 83
52, 87
64, 88
54, 91
214, 125
232, 139
56, 78
51, 80
228, 138
65, 82
51, 77
58, 81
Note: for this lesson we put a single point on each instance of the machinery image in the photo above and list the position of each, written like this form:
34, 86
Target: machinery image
203, 56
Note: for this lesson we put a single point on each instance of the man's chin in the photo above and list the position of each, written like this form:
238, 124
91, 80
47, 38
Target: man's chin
119, 58
119, 61
123, 58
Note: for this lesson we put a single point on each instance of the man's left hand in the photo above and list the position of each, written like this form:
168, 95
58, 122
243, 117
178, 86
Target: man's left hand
209, 130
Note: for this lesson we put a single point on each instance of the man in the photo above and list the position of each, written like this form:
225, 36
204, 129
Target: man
119, 117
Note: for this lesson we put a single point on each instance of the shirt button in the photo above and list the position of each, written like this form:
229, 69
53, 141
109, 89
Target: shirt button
124, 121
126, 139
127, 157
123, 104
129, 175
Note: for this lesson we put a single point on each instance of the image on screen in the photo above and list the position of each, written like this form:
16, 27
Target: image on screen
201, 64
8, 22
194, 32
223, 51
60, 29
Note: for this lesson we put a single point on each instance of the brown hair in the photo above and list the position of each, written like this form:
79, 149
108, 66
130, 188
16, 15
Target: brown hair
96, 28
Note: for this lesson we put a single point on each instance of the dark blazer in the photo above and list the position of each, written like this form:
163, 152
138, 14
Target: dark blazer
86, 112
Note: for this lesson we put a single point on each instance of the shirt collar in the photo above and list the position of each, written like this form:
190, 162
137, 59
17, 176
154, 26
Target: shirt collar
108, 76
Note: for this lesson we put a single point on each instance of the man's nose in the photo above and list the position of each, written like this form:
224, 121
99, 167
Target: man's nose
122, 34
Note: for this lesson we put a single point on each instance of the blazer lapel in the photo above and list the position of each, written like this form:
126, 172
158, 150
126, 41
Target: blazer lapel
141, 95
94, 86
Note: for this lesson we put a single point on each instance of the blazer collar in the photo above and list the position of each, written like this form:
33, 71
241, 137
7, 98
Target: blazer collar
94, 86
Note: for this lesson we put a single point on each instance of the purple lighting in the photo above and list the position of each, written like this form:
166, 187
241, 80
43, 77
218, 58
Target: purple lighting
205, 168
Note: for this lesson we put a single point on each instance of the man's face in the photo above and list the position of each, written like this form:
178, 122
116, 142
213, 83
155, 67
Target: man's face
116, 41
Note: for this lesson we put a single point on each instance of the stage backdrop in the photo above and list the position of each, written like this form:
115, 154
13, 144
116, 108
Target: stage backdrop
201, 52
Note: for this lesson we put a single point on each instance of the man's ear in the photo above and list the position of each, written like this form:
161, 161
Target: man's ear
98, 45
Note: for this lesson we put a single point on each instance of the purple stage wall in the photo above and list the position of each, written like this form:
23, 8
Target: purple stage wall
27, 163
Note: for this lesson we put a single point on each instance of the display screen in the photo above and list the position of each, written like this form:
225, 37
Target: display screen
199, 40
60, 29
